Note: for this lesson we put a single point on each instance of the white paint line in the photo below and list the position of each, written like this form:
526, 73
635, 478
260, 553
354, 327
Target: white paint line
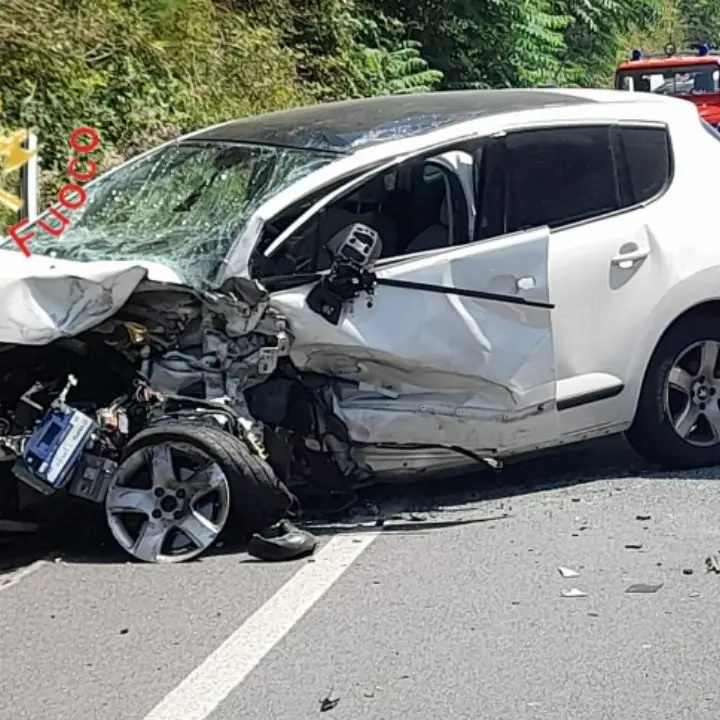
7, 580
200, 693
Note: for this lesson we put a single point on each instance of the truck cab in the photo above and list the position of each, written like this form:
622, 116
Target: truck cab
692, 75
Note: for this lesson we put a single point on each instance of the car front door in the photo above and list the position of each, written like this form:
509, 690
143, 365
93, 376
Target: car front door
454, 348
594, 187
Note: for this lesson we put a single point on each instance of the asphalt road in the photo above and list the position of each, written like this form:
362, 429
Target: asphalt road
453, 609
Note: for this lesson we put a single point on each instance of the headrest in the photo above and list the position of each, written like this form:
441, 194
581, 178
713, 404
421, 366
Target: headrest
372, 192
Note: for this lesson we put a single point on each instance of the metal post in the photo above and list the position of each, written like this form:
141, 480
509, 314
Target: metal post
29, 181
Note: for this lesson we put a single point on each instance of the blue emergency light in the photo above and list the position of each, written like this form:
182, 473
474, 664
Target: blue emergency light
703, 49
636, 55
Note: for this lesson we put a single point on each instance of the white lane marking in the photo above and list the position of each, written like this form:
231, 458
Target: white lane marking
200, 693
7, 580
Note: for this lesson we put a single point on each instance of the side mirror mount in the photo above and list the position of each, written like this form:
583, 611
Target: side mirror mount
355, 250
357, 245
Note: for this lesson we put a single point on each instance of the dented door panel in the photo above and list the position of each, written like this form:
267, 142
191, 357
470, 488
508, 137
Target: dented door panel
430, 368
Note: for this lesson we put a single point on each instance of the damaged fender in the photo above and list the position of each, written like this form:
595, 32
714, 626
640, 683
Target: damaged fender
44, 299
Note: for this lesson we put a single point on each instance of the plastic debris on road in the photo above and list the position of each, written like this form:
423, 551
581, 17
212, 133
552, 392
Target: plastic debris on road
282, 541
567, 572
643, 588
573, 593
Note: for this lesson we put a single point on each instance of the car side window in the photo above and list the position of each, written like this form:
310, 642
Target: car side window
559, 176
649, 160
416, 207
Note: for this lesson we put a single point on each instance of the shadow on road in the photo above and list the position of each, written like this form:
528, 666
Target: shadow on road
83, 537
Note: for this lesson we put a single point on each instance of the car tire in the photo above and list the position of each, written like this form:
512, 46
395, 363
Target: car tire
253, 496
259, 499
676, 383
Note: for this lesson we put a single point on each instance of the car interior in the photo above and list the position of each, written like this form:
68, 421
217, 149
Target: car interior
416, 207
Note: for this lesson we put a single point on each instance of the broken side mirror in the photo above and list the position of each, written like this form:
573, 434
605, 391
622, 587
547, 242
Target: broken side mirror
355, 251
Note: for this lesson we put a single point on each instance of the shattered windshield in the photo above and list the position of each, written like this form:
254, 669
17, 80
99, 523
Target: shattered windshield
182, 205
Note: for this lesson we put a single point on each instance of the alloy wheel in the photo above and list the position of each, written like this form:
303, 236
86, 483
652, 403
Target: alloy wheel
167, 503
691, 395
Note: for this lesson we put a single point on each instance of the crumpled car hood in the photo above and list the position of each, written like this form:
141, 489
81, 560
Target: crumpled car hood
44, 299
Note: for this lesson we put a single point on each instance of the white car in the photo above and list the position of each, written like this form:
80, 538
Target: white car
454, 278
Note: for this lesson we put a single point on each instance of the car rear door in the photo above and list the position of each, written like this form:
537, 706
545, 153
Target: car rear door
594, 186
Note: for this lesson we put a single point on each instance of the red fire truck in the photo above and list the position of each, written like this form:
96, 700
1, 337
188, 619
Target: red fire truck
693, 75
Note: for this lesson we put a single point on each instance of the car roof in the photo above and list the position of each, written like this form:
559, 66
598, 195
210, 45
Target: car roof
350, 125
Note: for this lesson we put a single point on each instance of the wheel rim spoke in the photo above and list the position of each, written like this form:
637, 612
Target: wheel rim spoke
198, 528
708, 358
161, 466
681, 380
129, 500
149, 543
686, 420
205, 480
712, 415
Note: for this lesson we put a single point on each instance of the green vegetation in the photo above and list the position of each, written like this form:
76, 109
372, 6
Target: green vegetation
143, 70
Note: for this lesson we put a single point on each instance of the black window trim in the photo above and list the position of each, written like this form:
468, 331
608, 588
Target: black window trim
616, 144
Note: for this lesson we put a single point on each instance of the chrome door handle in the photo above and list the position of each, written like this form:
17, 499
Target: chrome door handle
631, 257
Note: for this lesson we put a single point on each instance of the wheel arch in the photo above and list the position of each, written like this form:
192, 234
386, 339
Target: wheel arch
681, 306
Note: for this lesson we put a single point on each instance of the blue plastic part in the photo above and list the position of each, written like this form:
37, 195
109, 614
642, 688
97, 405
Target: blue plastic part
59, 440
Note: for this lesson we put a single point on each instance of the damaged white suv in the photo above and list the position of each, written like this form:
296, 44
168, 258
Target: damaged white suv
362, 291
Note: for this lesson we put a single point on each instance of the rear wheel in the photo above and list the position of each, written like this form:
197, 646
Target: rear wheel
179, 486
677, 422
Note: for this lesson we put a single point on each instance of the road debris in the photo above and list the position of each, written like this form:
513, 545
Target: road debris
687, 571
713, 563
567, 572
328, 703
643, 588
573, 593
643, 517
282, 541
633, 546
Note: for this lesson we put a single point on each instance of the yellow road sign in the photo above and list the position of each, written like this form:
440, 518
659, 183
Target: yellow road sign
13, 156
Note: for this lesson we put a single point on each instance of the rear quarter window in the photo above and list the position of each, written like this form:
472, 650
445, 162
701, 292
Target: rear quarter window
649, 160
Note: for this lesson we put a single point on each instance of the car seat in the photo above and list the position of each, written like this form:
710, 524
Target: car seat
366, 204
435, 236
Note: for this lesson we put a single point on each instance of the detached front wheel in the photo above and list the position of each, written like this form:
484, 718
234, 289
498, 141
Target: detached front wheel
179, 486
677, 422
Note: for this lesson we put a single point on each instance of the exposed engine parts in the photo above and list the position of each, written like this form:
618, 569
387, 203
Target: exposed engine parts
148, 415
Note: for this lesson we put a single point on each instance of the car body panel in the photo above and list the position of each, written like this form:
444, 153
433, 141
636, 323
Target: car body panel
45, 299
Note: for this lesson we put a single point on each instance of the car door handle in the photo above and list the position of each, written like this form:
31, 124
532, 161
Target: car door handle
631, 257
526, 283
